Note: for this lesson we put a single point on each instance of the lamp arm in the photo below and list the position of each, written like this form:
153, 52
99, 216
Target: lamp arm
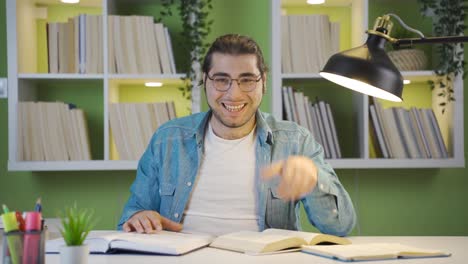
406, 26
430, 40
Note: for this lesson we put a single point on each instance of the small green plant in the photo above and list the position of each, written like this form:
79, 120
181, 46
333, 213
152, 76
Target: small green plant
76, 224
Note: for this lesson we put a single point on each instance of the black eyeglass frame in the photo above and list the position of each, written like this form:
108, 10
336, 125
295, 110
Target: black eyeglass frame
212, 78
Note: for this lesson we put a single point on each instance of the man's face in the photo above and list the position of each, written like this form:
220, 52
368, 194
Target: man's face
233, 110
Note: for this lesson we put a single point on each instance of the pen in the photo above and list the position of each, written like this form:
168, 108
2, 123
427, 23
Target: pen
38, 206
14, 240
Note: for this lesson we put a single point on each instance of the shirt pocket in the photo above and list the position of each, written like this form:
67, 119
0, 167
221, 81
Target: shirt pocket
279, 213
167, 191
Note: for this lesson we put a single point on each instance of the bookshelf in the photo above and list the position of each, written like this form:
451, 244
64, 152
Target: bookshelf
351, 110
29, 78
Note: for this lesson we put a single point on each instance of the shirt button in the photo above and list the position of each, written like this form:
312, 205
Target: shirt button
189, 184
335, 211
176, 215
321, 186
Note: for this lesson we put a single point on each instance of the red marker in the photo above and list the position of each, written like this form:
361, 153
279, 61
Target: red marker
32, 238
20, 220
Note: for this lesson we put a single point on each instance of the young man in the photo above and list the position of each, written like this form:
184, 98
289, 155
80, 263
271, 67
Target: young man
234, 167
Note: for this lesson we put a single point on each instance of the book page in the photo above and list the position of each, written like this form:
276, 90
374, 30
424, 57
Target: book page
164, 242
307, 236
98, 242
371, 251
256, 242
310, 237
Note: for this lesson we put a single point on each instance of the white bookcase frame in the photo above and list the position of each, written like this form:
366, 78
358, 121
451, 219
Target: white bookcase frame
360, 23
17, 94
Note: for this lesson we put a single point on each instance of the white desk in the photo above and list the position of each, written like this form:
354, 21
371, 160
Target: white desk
458, 246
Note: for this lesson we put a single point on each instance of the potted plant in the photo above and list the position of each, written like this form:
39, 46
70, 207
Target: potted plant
448, 19
76, 225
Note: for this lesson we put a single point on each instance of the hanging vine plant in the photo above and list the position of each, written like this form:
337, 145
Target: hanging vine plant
448, 20
195, 28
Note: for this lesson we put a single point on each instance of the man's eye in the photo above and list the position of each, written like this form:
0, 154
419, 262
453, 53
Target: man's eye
247, 80
222, 80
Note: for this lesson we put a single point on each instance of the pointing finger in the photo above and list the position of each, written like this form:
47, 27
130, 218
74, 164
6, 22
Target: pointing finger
272, 170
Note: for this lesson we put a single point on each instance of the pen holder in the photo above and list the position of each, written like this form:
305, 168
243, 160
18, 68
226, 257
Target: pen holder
24, 247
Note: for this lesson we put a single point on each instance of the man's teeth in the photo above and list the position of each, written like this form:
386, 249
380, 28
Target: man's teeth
234, 108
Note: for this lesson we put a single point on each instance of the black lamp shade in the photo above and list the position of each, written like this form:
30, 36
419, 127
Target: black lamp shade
366, 69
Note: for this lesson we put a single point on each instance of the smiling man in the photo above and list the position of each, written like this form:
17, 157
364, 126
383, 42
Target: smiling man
235, 167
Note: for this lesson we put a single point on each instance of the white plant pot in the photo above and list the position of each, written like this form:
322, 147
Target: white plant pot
74, 254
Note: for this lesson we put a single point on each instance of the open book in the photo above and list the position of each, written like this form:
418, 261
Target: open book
164, 242
273, 240
372, 251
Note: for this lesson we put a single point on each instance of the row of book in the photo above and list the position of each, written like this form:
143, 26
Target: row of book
76, 46
49, 131
307, 41
137, 45
317, 117
133, 124
402, 133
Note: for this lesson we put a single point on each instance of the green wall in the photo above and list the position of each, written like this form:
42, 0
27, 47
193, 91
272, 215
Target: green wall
388, 202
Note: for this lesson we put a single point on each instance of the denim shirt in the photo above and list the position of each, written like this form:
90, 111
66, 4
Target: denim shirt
169, 166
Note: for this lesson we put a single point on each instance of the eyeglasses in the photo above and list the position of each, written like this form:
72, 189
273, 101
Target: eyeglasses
246, 83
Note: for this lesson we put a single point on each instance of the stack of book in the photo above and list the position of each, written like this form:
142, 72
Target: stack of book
50, 131
133, 125
137, 45
401, 133
317, 117
307, 41
76, 46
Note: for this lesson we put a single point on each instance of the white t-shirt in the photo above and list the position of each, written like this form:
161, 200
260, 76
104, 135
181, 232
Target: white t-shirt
223, 199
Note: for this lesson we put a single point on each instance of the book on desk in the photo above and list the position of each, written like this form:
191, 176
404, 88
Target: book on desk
269, 241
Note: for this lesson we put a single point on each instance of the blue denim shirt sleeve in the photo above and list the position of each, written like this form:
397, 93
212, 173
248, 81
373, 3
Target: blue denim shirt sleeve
328, 206
145, 185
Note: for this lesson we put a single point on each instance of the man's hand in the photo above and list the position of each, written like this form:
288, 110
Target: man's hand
150, 222
298, 176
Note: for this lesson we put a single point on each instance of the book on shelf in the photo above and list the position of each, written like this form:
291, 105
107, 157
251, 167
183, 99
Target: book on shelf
373, 251
133, 124
403, 133
273, 241
51, 131
75, 46
307, 41
317, 118
376, 133
164, 242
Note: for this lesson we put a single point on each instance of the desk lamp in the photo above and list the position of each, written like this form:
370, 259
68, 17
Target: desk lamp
367, 69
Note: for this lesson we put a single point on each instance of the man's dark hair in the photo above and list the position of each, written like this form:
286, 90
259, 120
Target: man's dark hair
234, 44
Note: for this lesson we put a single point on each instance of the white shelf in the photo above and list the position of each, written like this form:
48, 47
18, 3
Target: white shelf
92, 165
351, 163
60, 76
396, 163
301, 76
146, 76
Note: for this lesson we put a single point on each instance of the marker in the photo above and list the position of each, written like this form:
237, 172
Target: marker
5, 209
32, 238
20, 220
14, 240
